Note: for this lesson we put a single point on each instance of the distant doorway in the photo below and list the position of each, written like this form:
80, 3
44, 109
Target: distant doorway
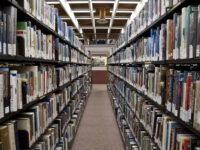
99, 69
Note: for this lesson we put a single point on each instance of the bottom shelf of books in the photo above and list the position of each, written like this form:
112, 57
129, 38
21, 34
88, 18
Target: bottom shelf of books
50, 124
143, 125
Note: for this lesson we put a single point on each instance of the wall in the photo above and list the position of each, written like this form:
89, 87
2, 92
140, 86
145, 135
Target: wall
99, 74
99, 49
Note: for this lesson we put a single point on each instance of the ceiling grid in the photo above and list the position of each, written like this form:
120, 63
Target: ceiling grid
84, 16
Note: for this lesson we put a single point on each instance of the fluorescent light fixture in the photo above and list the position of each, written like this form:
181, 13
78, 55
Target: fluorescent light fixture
83, 11
53, 3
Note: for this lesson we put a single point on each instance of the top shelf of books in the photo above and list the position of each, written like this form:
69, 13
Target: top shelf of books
161, 24
34, 29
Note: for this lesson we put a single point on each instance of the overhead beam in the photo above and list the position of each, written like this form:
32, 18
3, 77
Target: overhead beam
92, 16
65, 5
82, 11
113, 16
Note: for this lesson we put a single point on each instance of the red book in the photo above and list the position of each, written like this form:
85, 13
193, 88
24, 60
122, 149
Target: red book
188, 85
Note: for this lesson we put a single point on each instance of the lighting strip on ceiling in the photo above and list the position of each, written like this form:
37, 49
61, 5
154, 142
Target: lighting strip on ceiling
113, 16
53, 3
65, 5
92, 16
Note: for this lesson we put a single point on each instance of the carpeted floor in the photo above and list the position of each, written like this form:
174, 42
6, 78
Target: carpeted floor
98, 129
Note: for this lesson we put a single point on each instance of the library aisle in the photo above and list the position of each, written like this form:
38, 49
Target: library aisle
98, 129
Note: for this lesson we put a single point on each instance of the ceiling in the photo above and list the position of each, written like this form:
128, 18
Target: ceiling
83, 16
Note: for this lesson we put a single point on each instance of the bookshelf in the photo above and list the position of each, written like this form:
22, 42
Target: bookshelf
130, 70
58, 98
27, 16
163, 18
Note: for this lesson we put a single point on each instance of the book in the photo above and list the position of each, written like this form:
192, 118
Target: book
193, 16
4, 33
6, 89
11, 12
198, 35
22, 39
1, 95
13, 91
4, 137
1, 32
169, 43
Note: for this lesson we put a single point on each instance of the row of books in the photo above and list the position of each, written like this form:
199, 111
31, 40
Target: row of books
31, 42
82, 59
175, 88
22, 85
28, 126
71, 122
8, 27
78, 70
26, 39
41, 10
78, 105
182, 98
78, 84
149, 12
176, 39
146, 119
140, 142
123, 126
149, 79
48, 15
54, 135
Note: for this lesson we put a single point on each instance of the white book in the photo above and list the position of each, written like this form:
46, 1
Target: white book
34, 7
24, 124
163, 7
32, 115
19, 92
39, 9
13, 90
32, 42
11, 135
183, 53
28, 41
